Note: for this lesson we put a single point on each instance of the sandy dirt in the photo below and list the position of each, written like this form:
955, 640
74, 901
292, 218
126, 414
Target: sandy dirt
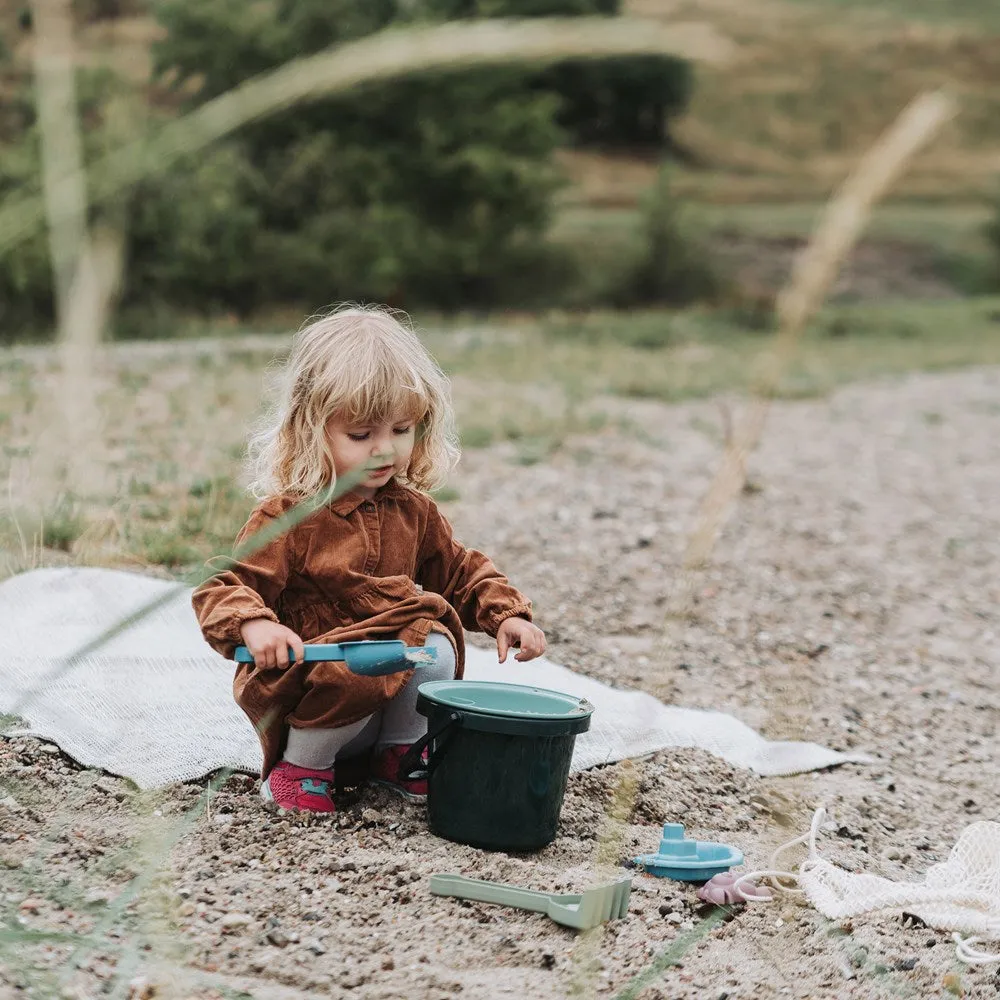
852, 600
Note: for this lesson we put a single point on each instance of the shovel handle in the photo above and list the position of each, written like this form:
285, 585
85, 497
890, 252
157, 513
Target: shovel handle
490, 892
322, 651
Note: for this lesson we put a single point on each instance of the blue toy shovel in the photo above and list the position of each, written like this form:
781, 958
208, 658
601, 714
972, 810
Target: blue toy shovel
372, 658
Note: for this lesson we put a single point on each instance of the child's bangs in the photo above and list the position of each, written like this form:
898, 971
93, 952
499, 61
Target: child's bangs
390, 391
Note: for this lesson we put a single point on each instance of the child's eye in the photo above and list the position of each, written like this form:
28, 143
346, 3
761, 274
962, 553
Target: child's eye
403, 430
358, 436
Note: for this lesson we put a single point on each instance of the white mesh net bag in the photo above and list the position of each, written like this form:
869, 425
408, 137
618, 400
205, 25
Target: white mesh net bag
961, 894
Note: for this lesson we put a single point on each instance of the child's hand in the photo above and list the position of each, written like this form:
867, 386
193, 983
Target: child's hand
269, 642
520, 632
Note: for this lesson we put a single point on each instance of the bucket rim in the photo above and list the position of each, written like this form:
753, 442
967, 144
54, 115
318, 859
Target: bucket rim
577, 708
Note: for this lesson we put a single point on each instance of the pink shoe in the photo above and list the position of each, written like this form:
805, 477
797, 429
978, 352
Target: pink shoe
385, 771
289, 786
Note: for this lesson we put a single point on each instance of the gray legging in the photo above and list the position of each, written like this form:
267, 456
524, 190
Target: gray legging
398, 723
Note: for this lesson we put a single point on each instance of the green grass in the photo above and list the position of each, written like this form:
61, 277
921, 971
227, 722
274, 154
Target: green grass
171, 461
984, 12
946, 226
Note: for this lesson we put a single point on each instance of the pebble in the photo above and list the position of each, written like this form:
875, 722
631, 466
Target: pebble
231, 921
891, 554
278, 938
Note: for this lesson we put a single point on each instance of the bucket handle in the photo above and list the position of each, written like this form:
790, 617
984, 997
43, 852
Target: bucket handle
411, 767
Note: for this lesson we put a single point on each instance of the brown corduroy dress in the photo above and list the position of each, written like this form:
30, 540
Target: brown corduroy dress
383, 568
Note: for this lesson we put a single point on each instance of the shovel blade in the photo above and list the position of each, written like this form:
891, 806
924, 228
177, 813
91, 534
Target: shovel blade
376, 658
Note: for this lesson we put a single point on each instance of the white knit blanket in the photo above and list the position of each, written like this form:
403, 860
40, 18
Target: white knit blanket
154, 704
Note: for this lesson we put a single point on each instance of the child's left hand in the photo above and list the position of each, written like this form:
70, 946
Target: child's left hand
520, 632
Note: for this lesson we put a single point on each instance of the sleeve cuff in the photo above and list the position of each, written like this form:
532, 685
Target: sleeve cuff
497, 618
239, 617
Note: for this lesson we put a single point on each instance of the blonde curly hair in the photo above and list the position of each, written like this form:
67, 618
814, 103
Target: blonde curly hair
359, 364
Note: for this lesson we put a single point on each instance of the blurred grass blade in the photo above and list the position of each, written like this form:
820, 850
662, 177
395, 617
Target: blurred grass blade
813, 273
387, 55
250, 545
64, 194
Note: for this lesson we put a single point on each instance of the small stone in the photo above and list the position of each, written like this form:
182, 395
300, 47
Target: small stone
141, 988
906, 965
388, 965
548, 960
49, 748
371, 816
231, 921
30, 905
97, 896
316, 946
645, 537
277, 937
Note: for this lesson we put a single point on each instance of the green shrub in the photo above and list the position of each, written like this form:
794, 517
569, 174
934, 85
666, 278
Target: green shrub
435, 191
671, 264
431, 191
992, 232
617, 103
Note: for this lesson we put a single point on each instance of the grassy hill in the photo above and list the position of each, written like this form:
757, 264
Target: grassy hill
812, 84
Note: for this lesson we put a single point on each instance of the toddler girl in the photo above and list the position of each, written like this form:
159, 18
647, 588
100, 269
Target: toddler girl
378, 562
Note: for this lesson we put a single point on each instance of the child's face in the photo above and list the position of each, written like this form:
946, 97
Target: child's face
383, 449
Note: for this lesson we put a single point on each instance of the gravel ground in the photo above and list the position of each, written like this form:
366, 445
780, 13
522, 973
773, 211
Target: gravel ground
852, 600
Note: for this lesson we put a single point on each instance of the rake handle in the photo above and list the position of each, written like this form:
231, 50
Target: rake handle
490, 892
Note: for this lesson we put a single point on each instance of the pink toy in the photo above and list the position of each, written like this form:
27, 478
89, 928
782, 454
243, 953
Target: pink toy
722, 889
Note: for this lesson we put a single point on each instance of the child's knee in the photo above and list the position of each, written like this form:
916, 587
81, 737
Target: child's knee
443, 668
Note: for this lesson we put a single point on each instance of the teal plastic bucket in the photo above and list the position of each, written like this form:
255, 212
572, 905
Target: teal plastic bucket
497, 761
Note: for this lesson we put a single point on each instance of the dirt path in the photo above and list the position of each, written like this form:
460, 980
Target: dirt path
853, 600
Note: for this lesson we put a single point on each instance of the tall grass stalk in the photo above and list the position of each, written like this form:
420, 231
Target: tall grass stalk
812, 276
387, 55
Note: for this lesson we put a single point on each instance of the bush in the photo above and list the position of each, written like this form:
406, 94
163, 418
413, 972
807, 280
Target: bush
431, 191
665, 263
992, 233
672, 266
434, 191
618, 103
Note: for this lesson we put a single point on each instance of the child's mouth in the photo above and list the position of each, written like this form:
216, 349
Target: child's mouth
381, 471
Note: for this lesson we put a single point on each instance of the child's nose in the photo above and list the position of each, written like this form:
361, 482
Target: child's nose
382, 444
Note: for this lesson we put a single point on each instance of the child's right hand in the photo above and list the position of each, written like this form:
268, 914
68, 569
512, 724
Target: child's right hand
268, 642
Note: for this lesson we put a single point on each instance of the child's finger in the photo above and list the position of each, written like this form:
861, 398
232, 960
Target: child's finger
281, 654
298, 648
502, 647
